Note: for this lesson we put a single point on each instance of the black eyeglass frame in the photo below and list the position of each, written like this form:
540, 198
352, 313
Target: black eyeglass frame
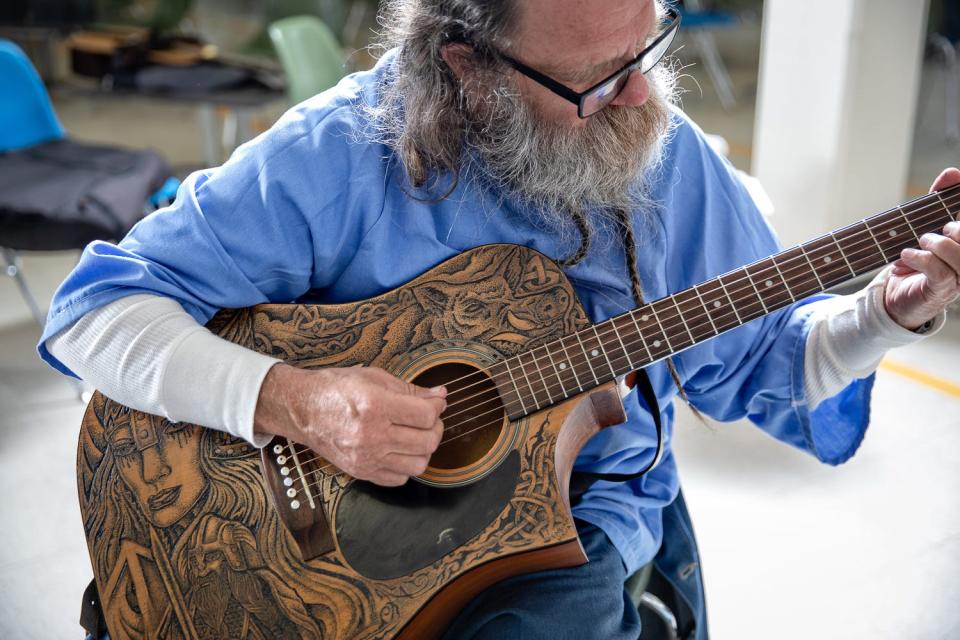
579, 98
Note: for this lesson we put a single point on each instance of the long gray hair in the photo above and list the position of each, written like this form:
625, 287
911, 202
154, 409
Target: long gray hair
420, 112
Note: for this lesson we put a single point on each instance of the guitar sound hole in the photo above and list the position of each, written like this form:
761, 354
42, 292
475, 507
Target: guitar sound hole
474, 416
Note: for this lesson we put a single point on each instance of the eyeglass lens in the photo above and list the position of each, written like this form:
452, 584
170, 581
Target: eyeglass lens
605, 93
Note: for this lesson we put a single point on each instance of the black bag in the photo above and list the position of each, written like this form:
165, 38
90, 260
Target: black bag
64, 194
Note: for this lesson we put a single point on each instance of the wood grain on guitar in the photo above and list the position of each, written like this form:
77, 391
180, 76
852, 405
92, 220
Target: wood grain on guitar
186, 540
192, 534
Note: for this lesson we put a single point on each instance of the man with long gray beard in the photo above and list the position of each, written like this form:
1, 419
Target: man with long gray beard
546, 123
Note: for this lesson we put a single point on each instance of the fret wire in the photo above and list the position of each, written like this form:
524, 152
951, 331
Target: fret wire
570, 364
785, 284
864, 257
754, 285
506, 363
895, 239
946, 208
806, 285
616, 332
662, 330
813, 268
725, 320
768, 272
526, 376
732, 305
633, 317
720, 282
716, 331
819, 245
556, 372
603, 350
853, 271
546, 389
882, 252
587, 357
832, 269
689, 305
907, 220
682, 319
832, 275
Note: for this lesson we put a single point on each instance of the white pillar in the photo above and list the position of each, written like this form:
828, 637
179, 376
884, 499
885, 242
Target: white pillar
835, 109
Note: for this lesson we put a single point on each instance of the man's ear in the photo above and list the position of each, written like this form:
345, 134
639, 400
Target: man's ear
459, 57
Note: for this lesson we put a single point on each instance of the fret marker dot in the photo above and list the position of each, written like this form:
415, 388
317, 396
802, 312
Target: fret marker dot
656, 343
563, 365
644, 318
893, 234
768, 283
827, 259
594, 353
716, 304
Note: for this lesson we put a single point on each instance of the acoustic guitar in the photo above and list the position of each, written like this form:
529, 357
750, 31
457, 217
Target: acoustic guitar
195, 534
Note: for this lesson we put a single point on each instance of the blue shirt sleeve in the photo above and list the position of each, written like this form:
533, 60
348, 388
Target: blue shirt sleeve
279, 218
757, 370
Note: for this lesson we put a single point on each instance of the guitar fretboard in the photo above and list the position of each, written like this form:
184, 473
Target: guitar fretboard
576, 363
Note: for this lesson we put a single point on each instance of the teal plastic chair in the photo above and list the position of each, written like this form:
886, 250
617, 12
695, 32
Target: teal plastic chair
311, 57
26, 113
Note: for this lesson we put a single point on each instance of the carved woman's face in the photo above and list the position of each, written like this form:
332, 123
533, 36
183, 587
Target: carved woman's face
160, 462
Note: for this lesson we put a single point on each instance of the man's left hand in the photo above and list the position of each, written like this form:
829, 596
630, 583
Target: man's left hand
925, 280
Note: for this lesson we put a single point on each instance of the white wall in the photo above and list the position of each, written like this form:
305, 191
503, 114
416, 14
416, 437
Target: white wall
835, 109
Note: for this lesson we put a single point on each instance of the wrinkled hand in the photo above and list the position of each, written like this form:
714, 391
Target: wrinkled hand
925, 280
367, 422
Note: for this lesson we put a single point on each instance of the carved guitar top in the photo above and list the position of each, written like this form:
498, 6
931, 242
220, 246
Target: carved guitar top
185, 543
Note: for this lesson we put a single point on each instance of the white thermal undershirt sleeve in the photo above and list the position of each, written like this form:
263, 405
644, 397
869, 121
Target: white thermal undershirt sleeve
146, 352
849, 336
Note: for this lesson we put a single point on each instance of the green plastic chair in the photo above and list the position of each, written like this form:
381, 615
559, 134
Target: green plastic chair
310, 54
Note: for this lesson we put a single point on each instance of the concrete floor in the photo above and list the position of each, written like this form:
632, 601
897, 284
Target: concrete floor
791, 549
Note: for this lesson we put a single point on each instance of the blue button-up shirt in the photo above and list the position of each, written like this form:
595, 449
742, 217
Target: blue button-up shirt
312, 205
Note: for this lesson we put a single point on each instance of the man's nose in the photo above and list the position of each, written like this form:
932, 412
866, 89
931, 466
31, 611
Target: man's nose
635, 92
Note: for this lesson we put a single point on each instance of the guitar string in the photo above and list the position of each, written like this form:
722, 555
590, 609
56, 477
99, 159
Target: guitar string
317, 473
549, 387
498, 408
751, 289
766, 273
535, 360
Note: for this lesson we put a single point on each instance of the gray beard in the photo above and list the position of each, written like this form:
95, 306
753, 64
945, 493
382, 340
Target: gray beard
558, 172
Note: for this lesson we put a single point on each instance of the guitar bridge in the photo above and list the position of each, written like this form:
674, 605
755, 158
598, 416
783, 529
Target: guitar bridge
292, 493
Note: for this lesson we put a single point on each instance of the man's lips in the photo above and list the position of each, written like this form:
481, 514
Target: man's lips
164, 498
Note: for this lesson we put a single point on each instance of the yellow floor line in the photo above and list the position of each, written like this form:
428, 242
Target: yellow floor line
922, 377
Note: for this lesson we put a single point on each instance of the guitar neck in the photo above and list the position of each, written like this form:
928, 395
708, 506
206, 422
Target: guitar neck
593, 356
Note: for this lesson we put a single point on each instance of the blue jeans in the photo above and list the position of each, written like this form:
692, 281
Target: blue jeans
578, 602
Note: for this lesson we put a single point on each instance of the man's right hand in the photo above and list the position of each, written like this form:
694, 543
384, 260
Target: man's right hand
365, 421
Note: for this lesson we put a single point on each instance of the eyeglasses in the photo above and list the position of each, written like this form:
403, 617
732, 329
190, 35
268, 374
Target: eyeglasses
604, 92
